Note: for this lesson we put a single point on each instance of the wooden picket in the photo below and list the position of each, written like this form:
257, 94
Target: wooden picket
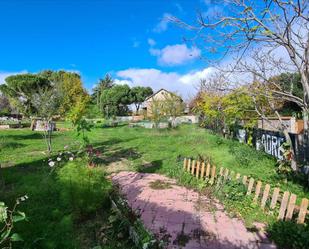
193, 167
197, 169
284, 204
291, 207
250, 186
244, 180
213, 174
303, 211
221, 171
257, 191
274, 198
265, 196
203, 170
207, 170
287, 207
185, 163
237, 177
189, 165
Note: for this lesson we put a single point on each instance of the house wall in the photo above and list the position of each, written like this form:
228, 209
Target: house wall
160, 96
293, 125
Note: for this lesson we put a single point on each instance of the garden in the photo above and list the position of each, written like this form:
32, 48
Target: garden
68, 204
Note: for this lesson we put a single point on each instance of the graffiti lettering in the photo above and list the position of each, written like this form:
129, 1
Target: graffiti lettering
272, 145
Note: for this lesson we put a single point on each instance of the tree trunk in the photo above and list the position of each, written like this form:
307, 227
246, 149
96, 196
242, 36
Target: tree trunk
49, 136
292, 149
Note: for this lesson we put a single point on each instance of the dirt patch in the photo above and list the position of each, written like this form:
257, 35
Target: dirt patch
121, 165
207, 205
159, 184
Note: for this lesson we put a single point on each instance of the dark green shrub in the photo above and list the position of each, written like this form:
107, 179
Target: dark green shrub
289, 235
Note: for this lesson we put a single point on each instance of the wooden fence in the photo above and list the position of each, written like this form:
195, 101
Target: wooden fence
261, 193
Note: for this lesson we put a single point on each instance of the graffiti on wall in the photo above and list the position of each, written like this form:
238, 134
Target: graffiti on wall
271, 145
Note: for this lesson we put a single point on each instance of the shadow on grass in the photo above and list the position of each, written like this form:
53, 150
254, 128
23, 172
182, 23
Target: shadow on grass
108, 126
11, 145
57, 202
34, 135
151, 167
101, 146
119, 154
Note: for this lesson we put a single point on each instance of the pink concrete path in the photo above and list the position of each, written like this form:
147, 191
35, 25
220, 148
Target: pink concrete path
183, 218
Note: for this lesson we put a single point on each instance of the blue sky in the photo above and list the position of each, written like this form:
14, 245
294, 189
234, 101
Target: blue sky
129, 39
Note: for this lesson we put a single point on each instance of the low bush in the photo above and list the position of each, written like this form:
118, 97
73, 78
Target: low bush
289, 235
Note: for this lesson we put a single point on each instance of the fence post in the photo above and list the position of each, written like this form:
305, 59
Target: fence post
221, 171
244, 180
197, 169
237, 177
250, 186
192, 167
185, 164
257, 191
189, 165
274, 198
203, 170
302, 211
265, 195
291, 206
284, 203
208, 170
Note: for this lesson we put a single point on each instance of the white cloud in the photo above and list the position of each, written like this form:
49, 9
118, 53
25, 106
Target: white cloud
183, 84
151, 42
4, 75
192, 77
123, 82
163, 24
177, 54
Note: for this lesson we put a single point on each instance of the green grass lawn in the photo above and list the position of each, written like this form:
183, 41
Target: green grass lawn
57, 220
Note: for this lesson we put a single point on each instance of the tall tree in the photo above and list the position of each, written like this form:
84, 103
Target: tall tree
69, 88
139, 94
115, 100
22, 88
256, 33
103, 84
5, 107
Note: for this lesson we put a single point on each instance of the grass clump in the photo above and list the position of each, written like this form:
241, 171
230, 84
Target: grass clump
159, 184
83, 190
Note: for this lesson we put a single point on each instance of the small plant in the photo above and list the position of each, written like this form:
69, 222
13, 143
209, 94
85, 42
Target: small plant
92, 155
284, 166
8, 218
62, 157
219, 140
